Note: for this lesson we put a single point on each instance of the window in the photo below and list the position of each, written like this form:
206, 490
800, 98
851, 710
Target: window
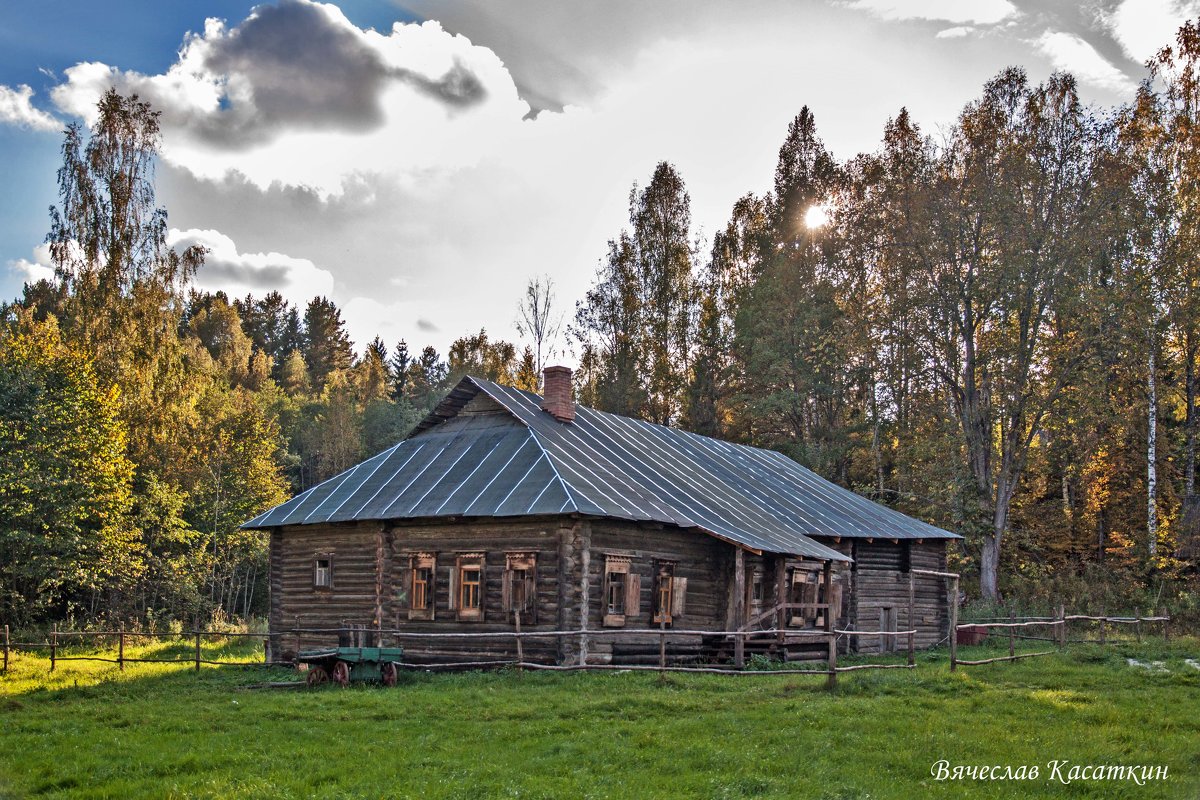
467, 586
519, 590
323, 571
669, 593
756, 592
422, 569
622, 591
803, 588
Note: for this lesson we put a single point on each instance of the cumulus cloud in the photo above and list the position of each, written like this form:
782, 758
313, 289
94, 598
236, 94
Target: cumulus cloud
1072, 54
983, 12
41, 267
276, 96
1142, 27
16, 109
237, 274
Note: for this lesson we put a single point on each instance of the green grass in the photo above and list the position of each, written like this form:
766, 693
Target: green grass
165, 731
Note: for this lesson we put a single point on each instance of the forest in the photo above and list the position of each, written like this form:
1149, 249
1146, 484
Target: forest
994, 329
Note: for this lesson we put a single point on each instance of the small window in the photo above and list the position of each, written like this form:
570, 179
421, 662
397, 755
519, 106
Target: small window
757, 592
422, 570
669, 593
519, 590
622, 591
467, 586
323, 572
804, 586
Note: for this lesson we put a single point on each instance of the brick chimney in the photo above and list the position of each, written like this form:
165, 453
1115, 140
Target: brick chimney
558, 393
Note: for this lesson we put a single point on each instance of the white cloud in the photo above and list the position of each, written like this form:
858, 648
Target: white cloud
955, 33
977, 12
1070, 53
238, 274
16, 109
1143, 27
33, 271
296, 93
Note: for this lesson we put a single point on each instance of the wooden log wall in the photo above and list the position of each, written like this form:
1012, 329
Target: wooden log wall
878, 591
360, 590
705, 562
351, 548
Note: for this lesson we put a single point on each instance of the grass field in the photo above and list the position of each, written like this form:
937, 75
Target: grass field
165, 731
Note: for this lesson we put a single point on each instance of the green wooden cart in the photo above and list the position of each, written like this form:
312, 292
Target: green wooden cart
342, 665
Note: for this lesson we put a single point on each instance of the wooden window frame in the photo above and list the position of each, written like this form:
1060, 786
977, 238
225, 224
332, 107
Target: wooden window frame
464, 563
317, 584
417, 563
756, 592
518, 592
810, 579
670, 591
629, 593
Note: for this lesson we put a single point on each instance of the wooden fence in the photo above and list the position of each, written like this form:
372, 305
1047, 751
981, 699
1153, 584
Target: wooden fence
1057, 625
827, 635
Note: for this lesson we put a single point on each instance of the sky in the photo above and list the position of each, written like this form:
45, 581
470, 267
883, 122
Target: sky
418, 161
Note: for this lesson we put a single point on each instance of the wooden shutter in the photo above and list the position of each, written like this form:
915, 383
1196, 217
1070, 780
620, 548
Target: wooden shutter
482, 589
680, 592
433, 587
506, 601
633, 594
453, 604
531, 600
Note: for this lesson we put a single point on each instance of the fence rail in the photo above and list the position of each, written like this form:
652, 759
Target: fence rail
828, 635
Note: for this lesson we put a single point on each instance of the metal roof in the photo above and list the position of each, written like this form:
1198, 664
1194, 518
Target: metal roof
525, 462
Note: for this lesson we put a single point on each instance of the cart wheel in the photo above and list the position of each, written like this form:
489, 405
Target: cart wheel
316, 676
341, 674
388, 673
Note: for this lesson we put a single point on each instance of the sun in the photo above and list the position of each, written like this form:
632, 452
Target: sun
816, 216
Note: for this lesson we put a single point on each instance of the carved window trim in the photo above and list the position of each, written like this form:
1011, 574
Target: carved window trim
622, 593
519, 589
422, 585
468, 586
322, 572
670, 592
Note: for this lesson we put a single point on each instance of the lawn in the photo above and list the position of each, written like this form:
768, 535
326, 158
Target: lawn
166, 731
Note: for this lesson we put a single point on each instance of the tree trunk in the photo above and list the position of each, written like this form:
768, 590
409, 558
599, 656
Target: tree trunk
1151, 450
989, 563
1189, 472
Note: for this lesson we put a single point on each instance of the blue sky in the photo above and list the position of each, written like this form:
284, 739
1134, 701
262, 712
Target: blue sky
419, 160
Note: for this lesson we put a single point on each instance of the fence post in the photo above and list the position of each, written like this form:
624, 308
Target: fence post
6, 648
197, 651
520, 646
1103, 630
1012, 619
1162, 613
662, 644
121, 647
1137, 628
953, 624
53, 645
912, 619
739, 606
831, 680
1062, 626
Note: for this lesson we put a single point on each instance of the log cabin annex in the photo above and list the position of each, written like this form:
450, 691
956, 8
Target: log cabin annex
503, 508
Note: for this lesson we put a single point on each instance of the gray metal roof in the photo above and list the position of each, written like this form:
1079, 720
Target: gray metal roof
525, 462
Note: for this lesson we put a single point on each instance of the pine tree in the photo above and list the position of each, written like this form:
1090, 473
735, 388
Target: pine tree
327, 346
